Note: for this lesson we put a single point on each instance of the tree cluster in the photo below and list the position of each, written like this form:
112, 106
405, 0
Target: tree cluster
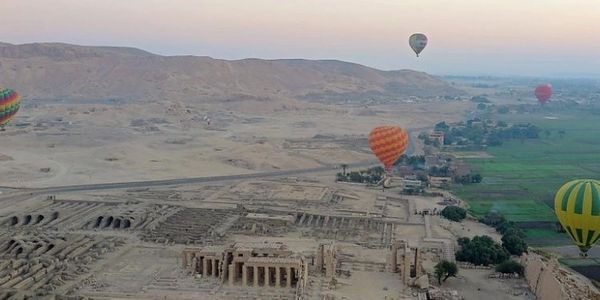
510, 267
469, 178
493, 219
481, 250
454, 213
443, 171
416, 162
480, 99
483, 132
513, 237
372, 176
518, 131
515, 244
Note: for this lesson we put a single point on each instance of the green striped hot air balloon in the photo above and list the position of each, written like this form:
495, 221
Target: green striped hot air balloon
577, 206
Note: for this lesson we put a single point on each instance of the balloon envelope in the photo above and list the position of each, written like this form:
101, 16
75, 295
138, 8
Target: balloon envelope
417, 42
577, 207
9, 105
543, 93
388, 143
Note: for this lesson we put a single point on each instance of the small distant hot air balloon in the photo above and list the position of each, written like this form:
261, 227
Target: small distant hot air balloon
417, 42
9, 105
577, 207
388, 143
543, 93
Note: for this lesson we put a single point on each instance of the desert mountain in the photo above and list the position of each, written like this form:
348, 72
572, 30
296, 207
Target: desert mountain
54, 71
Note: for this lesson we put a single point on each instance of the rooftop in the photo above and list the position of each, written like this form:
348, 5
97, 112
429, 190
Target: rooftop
278, 260
259, 245
286, 218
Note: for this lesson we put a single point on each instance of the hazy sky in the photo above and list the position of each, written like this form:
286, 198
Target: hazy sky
496, 37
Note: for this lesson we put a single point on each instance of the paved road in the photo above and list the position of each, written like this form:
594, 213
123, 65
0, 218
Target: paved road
179, 181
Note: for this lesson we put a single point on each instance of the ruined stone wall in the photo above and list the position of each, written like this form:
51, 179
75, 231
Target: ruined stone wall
551, 282
46, 263
266, 265
541, 279
327, 261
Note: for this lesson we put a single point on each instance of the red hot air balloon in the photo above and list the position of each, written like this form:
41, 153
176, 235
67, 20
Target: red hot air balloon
543, 93
388, 143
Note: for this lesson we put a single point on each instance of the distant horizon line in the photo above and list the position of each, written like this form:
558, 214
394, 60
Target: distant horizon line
569, 76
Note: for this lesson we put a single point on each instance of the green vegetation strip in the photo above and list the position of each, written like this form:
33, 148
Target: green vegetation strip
522, 176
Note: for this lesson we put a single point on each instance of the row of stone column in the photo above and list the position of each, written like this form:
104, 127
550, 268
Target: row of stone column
327, 221
267, 278
210, 266
214, 267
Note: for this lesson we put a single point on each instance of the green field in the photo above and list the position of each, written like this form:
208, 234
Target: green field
547, 237
521, 178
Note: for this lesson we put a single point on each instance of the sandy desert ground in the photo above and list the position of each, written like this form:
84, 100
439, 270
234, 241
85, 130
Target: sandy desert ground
69, 143
201, 117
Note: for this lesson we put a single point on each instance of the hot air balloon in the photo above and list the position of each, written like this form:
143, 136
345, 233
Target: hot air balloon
9, 105
417, 42
577, 206
388, 143
543, 93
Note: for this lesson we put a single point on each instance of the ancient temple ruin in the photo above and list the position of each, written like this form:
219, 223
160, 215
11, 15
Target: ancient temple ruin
248, 265
405, 260
326, 261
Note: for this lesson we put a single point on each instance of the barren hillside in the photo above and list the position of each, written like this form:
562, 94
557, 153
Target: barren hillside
54, 71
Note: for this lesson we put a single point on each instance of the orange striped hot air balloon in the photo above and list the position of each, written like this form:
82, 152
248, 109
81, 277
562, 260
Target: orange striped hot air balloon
388, 143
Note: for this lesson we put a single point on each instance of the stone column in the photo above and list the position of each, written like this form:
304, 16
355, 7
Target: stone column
256, 276
392, 260
417, 262
204, 267
406, 266
302, 219
289, 277
319, 262
329, 265
232, 273
244, 276
277, 277
267, 277
194, 266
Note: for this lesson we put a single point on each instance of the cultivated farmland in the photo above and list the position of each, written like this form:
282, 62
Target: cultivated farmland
521, 177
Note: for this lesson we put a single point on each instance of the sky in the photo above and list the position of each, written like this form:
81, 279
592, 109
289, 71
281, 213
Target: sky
550, 38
